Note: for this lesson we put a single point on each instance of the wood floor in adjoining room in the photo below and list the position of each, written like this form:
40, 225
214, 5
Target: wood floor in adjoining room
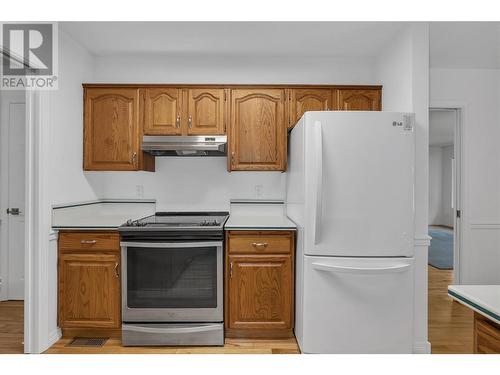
11, 327
450, 323
232, 346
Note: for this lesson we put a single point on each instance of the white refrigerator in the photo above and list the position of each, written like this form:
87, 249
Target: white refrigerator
350, 190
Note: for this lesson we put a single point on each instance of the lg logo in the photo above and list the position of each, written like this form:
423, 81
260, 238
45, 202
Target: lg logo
28, 49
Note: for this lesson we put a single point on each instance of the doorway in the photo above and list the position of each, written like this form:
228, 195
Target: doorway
12, 219
444, 189
449, 323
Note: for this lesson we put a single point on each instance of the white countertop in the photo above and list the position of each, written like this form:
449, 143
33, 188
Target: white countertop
260, 215
106, 214
484, 299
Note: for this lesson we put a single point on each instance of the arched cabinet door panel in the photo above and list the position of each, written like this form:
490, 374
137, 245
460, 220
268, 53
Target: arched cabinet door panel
111, 129
257, 135
206, 111
303, 100
359, 100
162, 111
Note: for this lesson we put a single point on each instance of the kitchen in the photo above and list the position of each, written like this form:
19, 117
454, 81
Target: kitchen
163, 114
173, 209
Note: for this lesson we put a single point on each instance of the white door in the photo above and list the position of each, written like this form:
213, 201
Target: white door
360, 183
12, 190
357, 305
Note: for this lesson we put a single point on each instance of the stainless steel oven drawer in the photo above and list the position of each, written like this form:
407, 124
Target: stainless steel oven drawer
164, 334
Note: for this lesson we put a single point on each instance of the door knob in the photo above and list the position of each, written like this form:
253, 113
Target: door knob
13, 211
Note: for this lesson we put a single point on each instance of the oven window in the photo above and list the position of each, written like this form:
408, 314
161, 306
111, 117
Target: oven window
172, 278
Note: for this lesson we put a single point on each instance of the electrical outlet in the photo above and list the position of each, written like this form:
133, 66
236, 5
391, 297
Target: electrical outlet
139, 191
258, 190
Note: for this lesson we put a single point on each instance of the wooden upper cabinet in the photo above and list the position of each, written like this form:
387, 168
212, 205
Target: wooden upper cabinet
162, 111
111, 129
257, 135
303, 100
359, 100
205, 111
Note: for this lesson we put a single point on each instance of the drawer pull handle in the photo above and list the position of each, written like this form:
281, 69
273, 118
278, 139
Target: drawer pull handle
260, 245
88, 242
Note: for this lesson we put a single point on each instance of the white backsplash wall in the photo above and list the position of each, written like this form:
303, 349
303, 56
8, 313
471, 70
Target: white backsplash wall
186, 183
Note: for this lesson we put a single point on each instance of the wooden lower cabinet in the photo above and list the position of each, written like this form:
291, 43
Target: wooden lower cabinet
486, 335
259, 284
89, 280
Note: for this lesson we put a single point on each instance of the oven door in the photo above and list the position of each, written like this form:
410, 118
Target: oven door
172, 282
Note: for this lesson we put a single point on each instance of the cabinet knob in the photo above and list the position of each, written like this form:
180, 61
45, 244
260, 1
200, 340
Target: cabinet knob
232, 158
190, 122
178, 121
116, 271
134, 157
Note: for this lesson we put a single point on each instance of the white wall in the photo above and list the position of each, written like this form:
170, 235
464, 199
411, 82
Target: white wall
447, 210
197, 69
440, 185
477, 92
61, 177
402, 67
393, 67
435, 185
189, 184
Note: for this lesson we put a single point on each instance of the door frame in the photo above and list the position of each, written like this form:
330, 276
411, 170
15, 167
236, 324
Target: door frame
459, 180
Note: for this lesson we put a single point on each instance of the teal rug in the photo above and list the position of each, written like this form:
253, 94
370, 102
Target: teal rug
441, 249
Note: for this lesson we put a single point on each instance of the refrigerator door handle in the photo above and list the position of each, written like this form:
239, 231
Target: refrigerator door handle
318, 190
360, 270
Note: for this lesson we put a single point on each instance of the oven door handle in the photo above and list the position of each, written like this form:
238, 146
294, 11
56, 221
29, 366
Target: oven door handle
200, 328
170, 244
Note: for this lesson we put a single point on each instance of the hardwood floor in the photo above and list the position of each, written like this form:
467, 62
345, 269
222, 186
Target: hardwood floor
11, 327
232, 346
450, 323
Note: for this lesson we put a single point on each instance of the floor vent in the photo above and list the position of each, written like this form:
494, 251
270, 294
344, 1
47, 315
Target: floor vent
88, 341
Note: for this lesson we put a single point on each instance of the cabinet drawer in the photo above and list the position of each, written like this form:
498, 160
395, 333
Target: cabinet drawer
487, 337
69, 241
260, 242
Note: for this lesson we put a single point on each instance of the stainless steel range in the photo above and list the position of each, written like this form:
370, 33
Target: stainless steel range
172, 267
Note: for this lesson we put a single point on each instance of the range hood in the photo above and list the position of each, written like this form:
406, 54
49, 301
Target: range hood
199, 145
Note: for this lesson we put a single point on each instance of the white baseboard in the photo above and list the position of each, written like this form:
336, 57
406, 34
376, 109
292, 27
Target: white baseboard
54, 336
422, 347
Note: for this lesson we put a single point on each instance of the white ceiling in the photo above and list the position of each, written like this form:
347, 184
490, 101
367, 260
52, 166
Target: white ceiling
452, 44
280, 39
441, 127
465, 45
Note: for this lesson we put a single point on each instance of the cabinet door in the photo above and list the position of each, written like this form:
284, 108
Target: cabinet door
89, 290
111, 129
303, 100
258, 132
359, 100
162, 113
205, 112
260, 292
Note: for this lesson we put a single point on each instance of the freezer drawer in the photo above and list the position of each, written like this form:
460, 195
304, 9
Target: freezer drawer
357, 305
